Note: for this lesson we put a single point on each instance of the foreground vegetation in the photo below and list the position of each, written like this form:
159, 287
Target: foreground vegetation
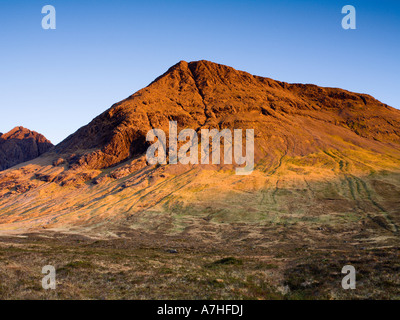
134, 266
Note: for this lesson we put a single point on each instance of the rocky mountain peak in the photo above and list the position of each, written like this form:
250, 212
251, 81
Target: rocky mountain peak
21, 145
299, 118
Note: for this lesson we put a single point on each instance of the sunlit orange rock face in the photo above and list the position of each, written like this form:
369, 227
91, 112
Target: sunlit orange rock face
295, 118
20, 145
321, 154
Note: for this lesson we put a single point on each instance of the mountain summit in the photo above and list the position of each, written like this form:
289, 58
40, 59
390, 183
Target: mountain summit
20, 145
296, 119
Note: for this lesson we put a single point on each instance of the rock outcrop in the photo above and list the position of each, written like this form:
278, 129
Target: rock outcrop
21, 145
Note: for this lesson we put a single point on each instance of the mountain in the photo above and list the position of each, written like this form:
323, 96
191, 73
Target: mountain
323, 157
295, 118
21, 145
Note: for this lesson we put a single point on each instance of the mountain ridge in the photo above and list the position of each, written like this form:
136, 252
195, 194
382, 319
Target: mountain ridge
191, 94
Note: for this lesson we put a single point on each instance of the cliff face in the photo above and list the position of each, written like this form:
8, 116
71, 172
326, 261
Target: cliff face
296, 118
21, 145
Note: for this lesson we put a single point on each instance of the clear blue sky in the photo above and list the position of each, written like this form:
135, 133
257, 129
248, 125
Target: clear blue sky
55, 81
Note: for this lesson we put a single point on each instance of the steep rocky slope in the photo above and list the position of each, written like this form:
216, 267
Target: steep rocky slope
299, 119
20, 145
